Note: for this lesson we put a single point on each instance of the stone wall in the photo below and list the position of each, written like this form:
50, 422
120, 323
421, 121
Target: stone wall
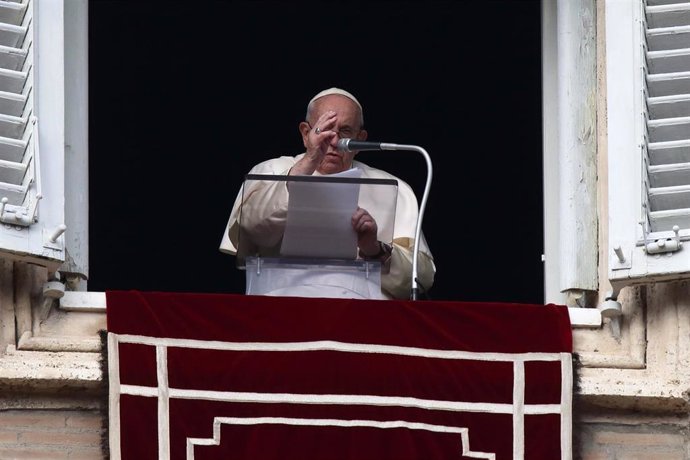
55, 434
632, 400
53, 397
632, 436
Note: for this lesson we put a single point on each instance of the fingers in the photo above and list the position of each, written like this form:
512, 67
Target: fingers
325, 122
367, 232
321, 134
322, 130
363, 222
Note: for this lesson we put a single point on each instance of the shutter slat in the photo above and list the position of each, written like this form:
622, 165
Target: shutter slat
673, 106
12, 81
661, 153
669, 129
666, 198
669, 175
668, 38
13, 149
12, 104
12, 172
663, 221
668, 61
13, 127
668, 15
664, 2
15, 194
11, 35
12, 13
12, 58
666, 84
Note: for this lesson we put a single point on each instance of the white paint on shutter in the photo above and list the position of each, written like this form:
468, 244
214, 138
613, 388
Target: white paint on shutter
17, 147
648, 140
667, 143
32, 108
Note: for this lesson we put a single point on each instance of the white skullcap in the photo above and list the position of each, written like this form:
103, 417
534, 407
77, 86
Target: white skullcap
342, 92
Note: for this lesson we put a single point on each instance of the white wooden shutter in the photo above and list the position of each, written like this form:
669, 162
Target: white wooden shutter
19, 186
667, 146
648, 106
32, 108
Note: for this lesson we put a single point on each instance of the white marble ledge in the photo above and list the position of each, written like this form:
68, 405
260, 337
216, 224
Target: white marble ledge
95, 302
585, 317
82, 301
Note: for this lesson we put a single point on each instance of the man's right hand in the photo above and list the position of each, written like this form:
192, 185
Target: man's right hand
317, 142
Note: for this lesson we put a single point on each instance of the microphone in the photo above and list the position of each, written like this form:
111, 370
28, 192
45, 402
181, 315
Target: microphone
349, 145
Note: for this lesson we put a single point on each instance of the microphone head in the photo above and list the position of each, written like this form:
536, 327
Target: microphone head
343, 145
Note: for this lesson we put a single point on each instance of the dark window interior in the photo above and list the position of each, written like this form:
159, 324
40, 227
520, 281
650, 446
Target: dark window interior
186, 96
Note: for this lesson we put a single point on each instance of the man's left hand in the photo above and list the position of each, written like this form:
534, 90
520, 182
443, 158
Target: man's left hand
367, 232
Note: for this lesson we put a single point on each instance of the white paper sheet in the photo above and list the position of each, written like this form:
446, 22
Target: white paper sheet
319, 219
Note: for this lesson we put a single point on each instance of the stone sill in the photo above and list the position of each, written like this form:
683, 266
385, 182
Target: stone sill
632, 389
46, 370
585, 317
93, 302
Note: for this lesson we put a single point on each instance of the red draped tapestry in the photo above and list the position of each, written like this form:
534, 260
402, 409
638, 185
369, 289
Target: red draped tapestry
217, 376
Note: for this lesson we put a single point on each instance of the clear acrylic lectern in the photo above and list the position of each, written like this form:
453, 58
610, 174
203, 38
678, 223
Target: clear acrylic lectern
295, 236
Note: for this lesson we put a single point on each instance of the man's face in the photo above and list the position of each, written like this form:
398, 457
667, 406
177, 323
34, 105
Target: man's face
347, 125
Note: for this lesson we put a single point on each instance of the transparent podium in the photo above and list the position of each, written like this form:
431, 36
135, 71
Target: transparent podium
295, 235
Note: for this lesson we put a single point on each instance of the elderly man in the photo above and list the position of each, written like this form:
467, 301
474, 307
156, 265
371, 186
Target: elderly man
331, 115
